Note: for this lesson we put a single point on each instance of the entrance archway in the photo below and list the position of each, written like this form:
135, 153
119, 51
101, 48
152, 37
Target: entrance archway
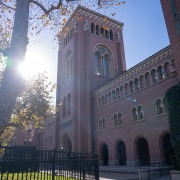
105, 155
121, 153
67, 145
142, 150
167, 148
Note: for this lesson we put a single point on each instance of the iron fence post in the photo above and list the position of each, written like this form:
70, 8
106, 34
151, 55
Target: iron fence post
96, 164
53, 164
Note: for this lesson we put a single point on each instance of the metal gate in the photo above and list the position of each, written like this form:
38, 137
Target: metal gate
28, 163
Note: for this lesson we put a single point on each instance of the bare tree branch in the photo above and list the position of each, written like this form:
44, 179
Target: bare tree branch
47, 11
7, 6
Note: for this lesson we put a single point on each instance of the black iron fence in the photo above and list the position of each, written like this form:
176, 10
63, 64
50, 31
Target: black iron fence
28, 163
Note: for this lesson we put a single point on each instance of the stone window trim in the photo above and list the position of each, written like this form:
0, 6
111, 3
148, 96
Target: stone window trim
136, 116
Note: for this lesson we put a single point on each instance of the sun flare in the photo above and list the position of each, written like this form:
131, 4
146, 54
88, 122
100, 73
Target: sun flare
34, 63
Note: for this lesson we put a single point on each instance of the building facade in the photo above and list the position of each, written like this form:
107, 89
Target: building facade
120, 114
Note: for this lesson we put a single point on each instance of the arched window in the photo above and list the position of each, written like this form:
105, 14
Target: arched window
161, 73
140, 112
113, 95
159, 107
131, 86
92, 28
119, 119
111, 35
167, 69
147, 79
126, 89
69, 104
134, 114
97, 29
117, 93
115, 120
64, 107
154, 76
104, 63
136, 84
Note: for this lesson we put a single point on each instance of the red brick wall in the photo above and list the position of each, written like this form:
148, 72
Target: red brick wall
174, 34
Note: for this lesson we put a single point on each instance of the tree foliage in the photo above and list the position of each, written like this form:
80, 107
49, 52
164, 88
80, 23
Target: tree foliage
173, 103
34, 103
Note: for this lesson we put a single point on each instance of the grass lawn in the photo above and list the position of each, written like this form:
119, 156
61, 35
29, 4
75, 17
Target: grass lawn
31, 176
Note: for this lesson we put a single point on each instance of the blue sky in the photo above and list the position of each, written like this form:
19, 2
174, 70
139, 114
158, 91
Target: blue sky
144, 34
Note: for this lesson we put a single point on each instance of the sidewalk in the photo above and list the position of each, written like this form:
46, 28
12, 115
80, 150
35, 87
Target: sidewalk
123, 173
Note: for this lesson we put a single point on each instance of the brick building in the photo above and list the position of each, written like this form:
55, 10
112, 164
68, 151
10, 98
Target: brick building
120, 114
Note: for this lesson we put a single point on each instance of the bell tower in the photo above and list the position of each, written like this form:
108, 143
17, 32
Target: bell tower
91, 53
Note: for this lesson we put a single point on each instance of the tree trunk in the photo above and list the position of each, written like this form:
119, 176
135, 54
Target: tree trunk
10, 85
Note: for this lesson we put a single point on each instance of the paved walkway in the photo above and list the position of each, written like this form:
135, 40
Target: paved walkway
123, 173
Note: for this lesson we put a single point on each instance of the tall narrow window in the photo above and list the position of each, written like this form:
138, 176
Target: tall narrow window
161, 73
115, 120
154, 76
69, 104
109, 96
97, 63
126, 89
99, 102
106, 99
111, 35
136, 84
141, 81
103, 123
167, 69
100, 124
121, 90
159, 106
134, 113
64, 107
147, 79
140, 112
117, 93
107, 34
68, 66
97, 30
92, 28
102, 32
131, 86
102, 100
119, 119
105, 65
113, 95
165, 105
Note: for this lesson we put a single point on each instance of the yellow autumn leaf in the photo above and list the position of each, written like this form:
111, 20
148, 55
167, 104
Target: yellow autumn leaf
64, 20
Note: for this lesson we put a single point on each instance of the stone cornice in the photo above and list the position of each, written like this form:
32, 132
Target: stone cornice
95, 16
134, 70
